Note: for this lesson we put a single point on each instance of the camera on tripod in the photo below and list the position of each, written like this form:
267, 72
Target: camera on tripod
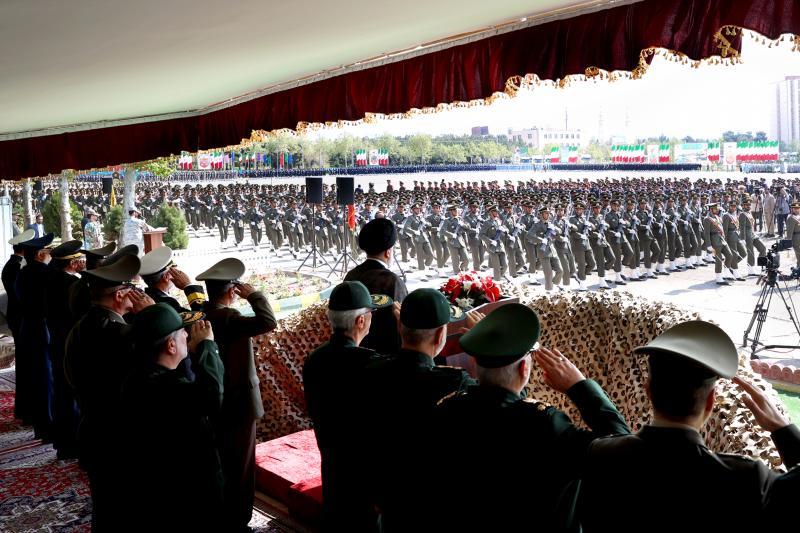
772, 260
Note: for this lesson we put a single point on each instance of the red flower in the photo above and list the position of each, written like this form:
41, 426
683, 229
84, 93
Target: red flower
452, 289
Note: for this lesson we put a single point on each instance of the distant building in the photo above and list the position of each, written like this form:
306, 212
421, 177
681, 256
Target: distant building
538, 138
785, 124
480, 131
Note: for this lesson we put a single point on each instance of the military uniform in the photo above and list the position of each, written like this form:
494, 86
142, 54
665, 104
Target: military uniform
602, 251
579, 229
415, 226
616, 237
235, 425
254, 217
492, 233
647, 240
440, 249
543, 235
793, 231
564, 250
475, 243
453, 233
714, 237
730, 225
222, 221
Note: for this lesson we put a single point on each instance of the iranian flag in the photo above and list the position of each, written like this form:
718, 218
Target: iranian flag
663, 153
773, 150
713, 152
572, 154
555, 155
361, 158
383, 157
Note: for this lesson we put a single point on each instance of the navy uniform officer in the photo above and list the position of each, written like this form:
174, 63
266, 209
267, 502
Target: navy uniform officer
159, 273
505, 437
403, 390
332, 377
98, 358
235, 425
665, 472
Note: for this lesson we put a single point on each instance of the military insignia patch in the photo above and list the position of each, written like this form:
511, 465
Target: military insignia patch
381, 300
192, 317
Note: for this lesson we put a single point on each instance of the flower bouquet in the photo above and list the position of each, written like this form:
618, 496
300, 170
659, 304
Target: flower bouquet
469, 290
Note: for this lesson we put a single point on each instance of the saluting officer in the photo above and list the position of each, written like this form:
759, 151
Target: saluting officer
235, 425
496, 425
160, 274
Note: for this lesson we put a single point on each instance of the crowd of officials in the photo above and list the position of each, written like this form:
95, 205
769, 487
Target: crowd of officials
159, 402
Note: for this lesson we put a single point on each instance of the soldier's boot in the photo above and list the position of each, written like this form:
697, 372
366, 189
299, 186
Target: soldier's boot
737, 275
618, 278
601, 283
581, 286
727, 273
672, 266
751, 271
532, 279
661, 270
649, 274
721, 281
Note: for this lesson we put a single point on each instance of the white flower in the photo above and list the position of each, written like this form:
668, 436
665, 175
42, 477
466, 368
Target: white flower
467, 285
465, 303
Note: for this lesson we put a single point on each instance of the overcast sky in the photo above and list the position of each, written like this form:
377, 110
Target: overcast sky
671, 99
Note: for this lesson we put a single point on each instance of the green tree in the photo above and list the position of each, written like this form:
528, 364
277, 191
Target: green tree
51, 214
171, 218
421, 146
113, 223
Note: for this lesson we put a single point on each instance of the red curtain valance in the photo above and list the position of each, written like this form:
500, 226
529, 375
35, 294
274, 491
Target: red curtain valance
611, 40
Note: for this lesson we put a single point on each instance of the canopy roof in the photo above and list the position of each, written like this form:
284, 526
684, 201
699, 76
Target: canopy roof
70, 63
92, 83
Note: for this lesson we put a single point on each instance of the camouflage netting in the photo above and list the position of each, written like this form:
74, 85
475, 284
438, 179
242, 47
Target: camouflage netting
595, 330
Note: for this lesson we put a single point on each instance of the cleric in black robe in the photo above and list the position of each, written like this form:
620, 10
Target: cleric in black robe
377, 239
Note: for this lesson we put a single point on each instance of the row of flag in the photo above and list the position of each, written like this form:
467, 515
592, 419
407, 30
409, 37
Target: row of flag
374, 157
628, 153
757, 151
568, 153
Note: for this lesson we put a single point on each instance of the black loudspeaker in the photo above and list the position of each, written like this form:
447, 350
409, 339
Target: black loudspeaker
344, 191
107, 184
314, 190
37, 185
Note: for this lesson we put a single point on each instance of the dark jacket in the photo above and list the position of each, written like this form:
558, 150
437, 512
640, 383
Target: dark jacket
333, 383
175, 471
160, 297
403, 390
97, 360
498, 438
665, 475
384, 336
233, 333
9, 277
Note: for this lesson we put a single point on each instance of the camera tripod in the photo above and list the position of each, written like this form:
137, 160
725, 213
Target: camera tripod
344, 256
771, 286
314, 254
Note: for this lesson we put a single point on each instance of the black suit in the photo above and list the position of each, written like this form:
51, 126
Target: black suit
383, 336
667, 480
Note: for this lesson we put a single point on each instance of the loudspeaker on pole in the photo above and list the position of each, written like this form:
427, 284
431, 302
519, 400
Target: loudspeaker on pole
107, 184
344, 190
313, 190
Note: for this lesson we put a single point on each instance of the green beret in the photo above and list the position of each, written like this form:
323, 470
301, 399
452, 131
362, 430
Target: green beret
350, 295
427, 309
155, 322
504, 337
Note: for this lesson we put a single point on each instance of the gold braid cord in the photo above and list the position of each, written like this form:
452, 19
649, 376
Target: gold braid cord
728, 55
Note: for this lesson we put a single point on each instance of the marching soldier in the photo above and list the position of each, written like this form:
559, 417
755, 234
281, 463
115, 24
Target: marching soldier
292, 228
511, 241
399, 219
579, 229
647, 240
476, 246
438, 243
237, 217
751, 240
253, 217
658, 227
563, 247
492, 232
674, 241
221, 219
615, 236
730, 224
452, 231
632, 235
272, 221
600, 247
415, 226
685, 220
543, 234
527, 220
717, 246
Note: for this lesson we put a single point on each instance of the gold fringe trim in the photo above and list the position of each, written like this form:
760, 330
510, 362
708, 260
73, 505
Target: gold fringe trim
728, 56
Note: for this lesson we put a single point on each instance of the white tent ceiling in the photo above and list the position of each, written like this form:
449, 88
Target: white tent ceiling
70, 63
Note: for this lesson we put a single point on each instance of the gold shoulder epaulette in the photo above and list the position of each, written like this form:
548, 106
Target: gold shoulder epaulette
540, 406
447, 397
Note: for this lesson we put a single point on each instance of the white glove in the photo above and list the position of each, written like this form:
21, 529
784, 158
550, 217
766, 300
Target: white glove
710, 249
494, 243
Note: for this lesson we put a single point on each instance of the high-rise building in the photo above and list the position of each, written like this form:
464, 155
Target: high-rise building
785, 125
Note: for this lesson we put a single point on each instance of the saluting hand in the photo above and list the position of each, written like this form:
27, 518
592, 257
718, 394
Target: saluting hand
179, 278
473, 317
559, 372
198, 332
244, 290
766, 412
139, 300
